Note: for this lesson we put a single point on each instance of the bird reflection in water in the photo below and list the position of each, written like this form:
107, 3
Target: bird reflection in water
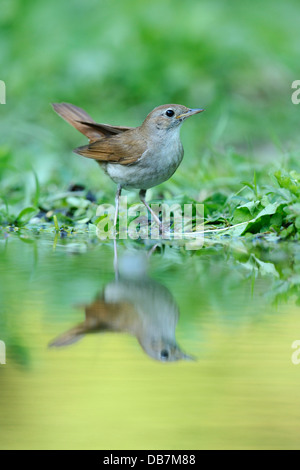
135, 304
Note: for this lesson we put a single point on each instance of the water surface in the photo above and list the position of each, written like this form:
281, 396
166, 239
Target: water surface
175, 350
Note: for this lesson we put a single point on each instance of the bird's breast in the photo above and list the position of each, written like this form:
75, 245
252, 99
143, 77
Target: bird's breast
156, 165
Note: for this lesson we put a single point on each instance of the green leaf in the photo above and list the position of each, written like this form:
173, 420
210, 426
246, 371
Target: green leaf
77, 202
25, 215
266, 268
241, 214
288, 181
297, 223
270, 209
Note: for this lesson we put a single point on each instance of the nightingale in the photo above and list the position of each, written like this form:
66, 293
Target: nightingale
133, 304
133, 157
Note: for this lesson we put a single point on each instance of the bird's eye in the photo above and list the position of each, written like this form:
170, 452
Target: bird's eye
170, 112
164, 354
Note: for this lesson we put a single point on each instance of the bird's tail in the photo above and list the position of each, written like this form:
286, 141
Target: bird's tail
69, 337
78, 118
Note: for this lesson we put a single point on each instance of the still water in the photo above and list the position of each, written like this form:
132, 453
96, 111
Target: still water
157, 349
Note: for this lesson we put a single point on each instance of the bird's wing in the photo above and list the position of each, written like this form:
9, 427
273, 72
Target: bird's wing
125, 149
106, 129
79, 119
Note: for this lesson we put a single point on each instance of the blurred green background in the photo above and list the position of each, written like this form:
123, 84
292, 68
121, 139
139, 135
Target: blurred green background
120, 59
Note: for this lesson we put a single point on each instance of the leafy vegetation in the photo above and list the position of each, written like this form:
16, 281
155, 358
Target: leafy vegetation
236, 293
242, 155
120, 59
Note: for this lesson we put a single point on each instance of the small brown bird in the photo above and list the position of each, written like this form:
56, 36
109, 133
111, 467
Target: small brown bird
133, 304
133, 157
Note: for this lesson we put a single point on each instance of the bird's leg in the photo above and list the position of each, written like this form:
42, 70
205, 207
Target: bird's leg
143, 200
117, 201
116, 264
150, 252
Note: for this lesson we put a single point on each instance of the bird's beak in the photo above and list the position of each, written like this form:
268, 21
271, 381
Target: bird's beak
186, 357
189, 113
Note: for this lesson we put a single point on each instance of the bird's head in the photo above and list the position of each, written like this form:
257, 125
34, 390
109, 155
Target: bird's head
164, 350
168, 116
